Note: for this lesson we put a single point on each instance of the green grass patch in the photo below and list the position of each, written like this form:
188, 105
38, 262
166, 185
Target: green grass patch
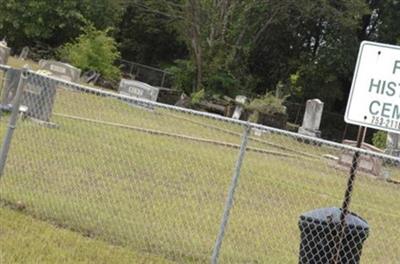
24, 240
164, 195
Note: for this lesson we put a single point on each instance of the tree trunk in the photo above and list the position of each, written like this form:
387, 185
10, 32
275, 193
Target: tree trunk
194, 18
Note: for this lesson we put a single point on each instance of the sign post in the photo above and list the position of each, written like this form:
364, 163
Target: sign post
374, 101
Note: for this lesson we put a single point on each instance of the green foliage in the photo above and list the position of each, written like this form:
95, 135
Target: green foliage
268, 104
197, 97
93, 50
379, 139
26, 23
221, 82
148, 38
183, 75
308, 47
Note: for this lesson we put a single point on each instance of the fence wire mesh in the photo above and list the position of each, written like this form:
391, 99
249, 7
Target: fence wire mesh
155, 178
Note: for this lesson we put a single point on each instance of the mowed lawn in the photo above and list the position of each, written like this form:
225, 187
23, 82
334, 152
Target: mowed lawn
24, 240
126, 176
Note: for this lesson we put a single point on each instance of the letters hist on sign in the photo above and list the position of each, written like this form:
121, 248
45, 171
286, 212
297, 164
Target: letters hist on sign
374, 99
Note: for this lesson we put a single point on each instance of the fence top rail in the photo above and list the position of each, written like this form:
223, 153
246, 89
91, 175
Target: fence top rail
145, 66
312, 140
4, 67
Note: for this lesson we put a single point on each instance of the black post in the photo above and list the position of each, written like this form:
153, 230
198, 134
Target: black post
349, 192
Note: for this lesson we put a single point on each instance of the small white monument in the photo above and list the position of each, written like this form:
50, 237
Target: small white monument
4, 52
241, 100
393, 144
24, 53
312, 118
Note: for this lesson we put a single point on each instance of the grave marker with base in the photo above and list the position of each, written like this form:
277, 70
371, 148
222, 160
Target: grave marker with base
10, 86
139, 90
4, 53
61, 70
39, 98
393, 144
240, 100
312, 118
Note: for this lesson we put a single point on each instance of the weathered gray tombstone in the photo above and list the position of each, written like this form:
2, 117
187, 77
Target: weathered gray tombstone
393, 144
10, 85
312, 118
61, 70
24, 53
38, 97
369, 164
4, 52
240, 100
138, 89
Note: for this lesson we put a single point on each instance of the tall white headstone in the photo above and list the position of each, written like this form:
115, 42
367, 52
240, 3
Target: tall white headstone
4, 52
312, 118
241, 100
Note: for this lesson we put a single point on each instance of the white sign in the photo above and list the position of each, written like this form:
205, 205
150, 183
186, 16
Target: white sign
374, 99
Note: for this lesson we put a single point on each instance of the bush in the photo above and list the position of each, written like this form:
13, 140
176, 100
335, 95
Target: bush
93, 50
221, 83
269, 104
268, 110
183, 75
197, 97
379, 139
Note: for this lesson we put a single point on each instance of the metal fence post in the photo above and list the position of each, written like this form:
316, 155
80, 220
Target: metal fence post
12, 122
231, 193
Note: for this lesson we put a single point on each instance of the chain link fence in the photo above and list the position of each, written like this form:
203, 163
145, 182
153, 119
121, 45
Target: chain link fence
189, 186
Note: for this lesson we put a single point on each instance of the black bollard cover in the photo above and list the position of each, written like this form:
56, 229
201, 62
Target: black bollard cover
319, 237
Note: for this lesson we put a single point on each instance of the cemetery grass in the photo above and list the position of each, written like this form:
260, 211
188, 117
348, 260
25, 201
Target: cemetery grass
17, 63
24, 239
164, 195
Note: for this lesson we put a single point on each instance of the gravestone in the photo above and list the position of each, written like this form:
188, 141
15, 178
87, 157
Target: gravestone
38, 97
312, 118
11, 80
4, 52
393, 144
369, 164
138, 89
61, 70
24, 53
240, 100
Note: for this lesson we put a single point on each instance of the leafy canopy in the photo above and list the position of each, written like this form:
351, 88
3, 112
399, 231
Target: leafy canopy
93, 50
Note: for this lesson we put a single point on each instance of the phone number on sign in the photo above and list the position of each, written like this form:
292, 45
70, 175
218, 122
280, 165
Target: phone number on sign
385, 122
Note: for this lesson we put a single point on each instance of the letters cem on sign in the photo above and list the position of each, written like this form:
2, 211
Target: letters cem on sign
374, 99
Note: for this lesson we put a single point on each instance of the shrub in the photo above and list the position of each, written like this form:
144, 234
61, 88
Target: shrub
93, 50
268, 104
183, 75
379, 139
221, 83
197, 97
